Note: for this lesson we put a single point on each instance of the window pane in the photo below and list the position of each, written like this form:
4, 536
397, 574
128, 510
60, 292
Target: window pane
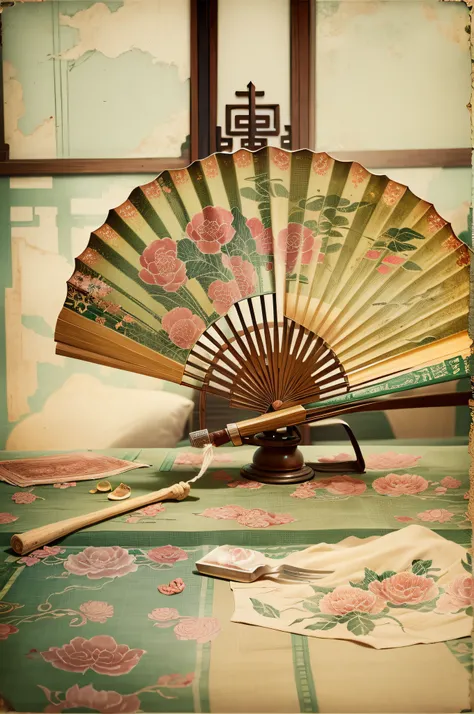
94, 79
254, 46
392, 75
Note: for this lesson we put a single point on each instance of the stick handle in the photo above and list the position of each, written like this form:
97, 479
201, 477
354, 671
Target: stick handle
23, 543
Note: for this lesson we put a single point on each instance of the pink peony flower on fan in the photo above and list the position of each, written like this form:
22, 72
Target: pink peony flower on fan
263, 237
87, 698
161, 266
280, 159
405, 589
211, 229
223, 295
183, 328
244, 273
345, 599
101, 654
297, 240
373, 254
450, 482
393, 259
200, 629
458, 595
400, 484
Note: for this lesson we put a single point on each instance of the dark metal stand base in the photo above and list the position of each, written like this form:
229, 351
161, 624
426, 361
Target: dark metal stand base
305, 473
278, 459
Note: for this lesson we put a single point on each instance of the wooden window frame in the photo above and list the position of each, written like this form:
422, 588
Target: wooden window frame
303, 83
203, 110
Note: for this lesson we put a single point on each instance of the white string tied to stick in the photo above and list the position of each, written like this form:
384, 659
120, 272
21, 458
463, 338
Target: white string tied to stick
207, 458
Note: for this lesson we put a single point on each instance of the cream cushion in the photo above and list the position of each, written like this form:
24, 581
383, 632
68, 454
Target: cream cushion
86, 414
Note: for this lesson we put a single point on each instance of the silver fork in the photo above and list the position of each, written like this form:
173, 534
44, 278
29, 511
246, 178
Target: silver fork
289, 572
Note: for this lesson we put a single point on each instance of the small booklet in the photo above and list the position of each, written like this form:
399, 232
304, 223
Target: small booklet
62, 468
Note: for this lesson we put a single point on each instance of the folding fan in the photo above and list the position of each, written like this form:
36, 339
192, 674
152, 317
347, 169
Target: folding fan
273, 279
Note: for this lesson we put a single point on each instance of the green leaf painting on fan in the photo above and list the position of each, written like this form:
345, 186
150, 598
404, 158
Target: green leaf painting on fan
272, 277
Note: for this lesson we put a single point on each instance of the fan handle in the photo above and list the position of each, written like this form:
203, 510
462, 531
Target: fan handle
243, 431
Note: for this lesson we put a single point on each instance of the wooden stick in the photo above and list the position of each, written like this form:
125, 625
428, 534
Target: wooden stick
23, 543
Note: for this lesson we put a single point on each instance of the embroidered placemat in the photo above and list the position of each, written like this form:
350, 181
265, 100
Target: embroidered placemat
407, 587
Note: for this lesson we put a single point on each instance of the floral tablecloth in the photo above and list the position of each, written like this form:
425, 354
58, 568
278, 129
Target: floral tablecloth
114, 618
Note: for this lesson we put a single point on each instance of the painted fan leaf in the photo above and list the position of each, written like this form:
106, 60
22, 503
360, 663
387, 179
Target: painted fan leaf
242, 268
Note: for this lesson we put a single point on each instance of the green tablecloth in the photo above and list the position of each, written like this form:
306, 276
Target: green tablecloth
83, 626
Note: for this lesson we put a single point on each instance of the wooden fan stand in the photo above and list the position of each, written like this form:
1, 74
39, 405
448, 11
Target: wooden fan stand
278, 460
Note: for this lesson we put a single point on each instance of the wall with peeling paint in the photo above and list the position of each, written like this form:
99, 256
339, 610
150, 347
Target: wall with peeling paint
92, 79
82, 79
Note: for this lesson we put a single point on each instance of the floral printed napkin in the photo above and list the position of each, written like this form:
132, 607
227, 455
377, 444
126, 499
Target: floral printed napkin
408, 587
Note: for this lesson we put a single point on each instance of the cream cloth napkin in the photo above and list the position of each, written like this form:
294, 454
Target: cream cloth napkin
408, 587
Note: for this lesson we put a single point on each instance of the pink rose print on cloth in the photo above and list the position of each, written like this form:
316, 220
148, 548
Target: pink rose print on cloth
211, 229
101, 654
87, 698
390, 460
458, 595
404, 589
152, 510
263, 237
403, 519
435, 515
450, 482
70, 484
163, 615
7, 518
175, 681
98, 562
7, 630
167, 554
161, 266
40, 554
190, 459
97, 610
223, 295
173, 588
252, 485
244, 274
24, 497
400, 485
337, 457
250, 517
345, 599
297, 240
183, 328
200, 629
440, 490
336, 485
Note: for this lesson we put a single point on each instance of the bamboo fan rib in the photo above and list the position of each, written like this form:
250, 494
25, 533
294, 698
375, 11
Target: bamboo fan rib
272, 279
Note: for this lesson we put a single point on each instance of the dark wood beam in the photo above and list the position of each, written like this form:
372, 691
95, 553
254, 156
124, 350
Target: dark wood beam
203, 77
57, 167
301, 74
4, 148
407, 159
